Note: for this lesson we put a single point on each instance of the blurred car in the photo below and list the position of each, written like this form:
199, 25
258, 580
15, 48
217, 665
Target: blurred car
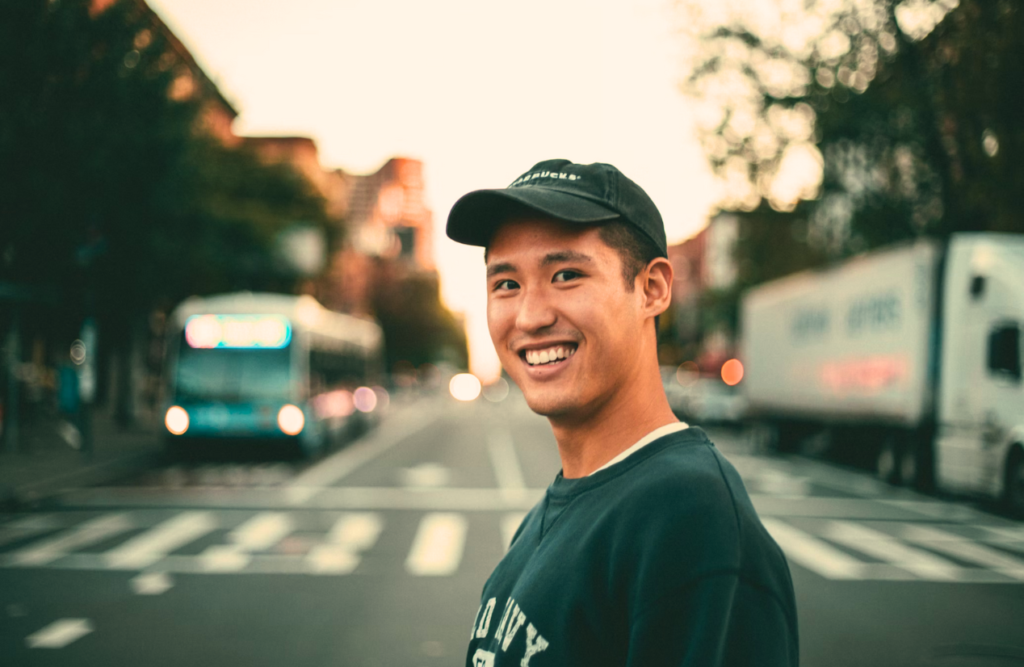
705, 400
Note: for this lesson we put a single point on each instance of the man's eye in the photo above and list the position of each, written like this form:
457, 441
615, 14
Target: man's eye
564, 276
504, 285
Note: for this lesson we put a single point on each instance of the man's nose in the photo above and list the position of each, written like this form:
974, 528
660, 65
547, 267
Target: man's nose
535, 312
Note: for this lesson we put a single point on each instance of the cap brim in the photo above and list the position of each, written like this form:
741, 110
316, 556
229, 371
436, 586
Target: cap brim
476, 216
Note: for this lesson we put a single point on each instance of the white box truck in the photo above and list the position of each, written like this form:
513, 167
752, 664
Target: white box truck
911, 353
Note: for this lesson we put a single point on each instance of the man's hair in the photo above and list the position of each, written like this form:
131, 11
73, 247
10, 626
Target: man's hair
635, 250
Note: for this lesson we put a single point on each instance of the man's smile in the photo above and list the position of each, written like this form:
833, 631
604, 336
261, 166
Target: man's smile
548, 355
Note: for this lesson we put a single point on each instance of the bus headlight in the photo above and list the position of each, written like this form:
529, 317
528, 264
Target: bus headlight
291, 420
176, 420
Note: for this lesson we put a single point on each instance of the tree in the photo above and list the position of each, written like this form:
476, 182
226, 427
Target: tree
418, 329
114, 194
911, 108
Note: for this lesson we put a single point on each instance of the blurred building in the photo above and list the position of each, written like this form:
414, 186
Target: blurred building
383, 227
217, 114
704, 266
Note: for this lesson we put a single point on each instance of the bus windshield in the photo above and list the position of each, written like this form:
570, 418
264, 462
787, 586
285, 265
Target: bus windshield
226, 374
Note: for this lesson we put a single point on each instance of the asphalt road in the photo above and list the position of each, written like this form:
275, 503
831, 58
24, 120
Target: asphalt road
376, 555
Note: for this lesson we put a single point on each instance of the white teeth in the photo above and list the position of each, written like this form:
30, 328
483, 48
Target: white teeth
536, 357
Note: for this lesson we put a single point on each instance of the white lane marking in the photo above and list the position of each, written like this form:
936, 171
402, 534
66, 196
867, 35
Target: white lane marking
1000, 534
262, 531
888, 548
356, 530
60, 633
335, 498
147, 548
424, 476
90, 532
509, 526
780, 483
812, 553
504, 460
351, 534
30, 525
334, 468
437, 548
224, 558
151, 583
257, 534
965, 549
832, 508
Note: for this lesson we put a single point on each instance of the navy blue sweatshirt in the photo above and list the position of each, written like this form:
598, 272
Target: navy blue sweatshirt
657, 560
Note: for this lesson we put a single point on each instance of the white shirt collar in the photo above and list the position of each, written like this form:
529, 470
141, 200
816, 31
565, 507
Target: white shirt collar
674, 427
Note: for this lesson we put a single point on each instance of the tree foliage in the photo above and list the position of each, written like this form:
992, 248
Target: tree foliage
111, 187
418, 329
909, 109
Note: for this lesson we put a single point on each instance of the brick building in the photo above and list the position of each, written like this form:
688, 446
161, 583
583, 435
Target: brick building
703, 264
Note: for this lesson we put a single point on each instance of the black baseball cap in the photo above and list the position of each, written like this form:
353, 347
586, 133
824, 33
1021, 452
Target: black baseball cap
575, 193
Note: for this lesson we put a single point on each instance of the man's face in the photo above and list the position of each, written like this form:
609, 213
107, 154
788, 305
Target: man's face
565, 327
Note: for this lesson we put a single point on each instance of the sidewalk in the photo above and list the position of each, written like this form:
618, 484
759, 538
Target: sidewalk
47, 463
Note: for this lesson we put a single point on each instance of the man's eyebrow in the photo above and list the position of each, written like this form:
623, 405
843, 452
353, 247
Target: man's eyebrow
565, 256
503, 267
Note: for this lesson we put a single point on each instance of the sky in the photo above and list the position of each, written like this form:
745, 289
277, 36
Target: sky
476, 89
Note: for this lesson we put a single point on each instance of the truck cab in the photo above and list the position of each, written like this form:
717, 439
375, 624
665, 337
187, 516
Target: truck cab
979, 445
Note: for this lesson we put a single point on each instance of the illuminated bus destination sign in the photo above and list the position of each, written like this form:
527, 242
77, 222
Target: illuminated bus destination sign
238, 331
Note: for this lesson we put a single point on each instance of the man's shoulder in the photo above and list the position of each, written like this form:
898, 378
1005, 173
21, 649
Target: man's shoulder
682, 466
678, 483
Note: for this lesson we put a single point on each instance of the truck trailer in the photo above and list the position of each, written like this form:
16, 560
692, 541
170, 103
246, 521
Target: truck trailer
909, 354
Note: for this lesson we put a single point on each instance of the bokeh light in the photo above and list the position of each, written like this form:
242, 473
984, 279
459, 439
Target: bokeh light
497, 391
364, 399
732, 372
464, 386
291, 420
78, 352
176, 420
383, 398
687, 373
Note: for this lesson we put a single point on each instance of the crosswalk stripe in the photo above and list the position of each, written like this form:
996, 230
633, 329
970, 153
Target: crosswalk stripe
262, 531
351, 534
149, 547
59, 633
890, 549
504, 460
90, 532
907, 550
257, 534
1004, 534
356, 530
27, 527
965, 549
437, 548
151, 583
812, 553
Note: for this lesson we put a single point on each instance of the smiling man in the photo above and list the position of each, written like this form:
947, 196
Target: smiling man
645, 550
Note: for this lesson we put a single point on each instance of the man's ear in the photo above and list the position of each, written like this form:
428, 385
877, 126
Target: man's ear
657, 286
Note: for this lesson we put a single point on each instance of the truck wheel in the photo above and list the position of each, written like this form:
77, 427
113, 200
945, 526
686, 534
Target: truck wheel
888, 464
1013, 490
908, 464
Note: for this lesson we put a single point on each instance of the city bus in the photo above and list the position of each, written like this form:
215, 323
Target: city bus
250, 366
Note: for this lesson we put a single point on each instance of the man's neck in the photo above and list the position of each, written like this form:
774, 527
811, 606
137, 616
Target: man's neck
587, 444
